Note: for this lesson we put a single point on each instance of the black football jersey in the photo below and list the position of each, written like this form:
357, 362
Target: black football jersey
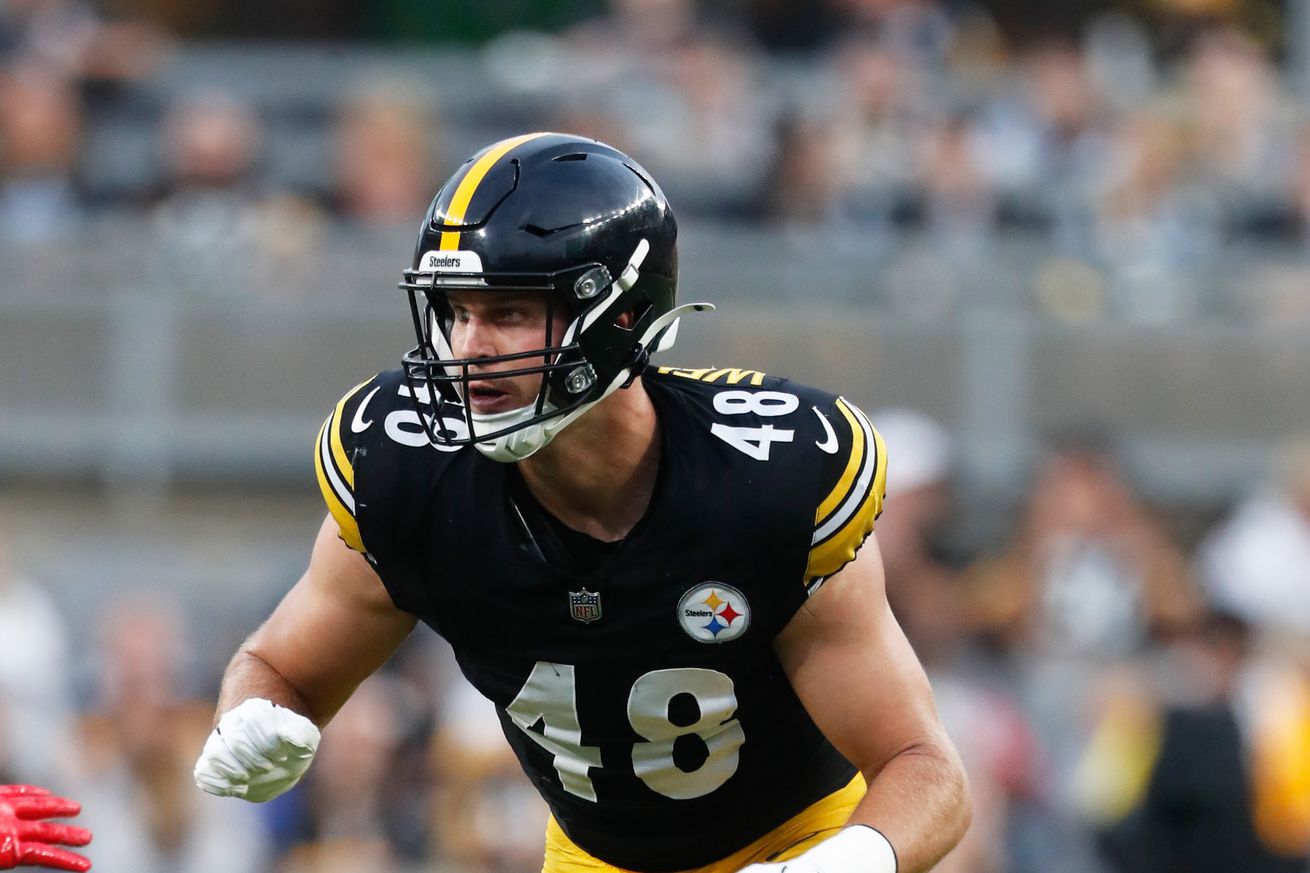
640, 690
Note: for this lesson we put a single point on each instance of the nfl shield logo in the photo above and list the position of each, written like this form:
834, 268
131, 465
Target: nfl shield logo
584, 605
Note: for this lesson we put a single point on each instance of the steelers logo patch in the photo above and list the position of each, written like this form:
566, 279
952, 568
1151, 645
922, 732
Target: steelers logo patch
714, 613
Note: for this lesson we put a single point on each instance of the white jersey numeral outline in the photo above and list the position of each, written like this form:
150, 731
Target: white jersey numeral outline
754, 442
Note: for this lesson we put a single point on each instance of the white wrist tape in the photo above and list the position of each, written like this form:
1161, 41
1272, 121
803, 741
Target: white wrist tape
855, 849
258, 751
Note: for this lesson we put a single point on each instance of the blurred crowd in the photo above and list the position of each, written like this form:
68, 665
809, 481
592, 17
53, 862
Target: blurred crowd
1127, 699
1136, 159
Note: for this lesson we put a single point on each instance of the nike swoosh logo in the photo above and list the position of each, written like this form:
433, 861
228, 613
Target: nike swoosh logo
358, 424
829, 445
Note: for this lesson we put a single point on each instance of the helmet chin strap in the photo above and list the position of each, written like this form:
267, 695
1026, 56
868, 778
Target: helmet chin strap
521, 444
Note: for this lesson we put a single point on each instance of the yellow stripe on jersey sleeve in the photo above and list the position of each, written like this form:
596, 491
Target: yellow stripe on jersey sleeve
338, 449
841, 531
340, 501
843, 486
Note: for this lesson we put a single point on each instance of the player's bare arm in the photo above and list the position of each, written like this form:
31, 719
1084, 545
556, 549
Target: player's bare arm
331, 631
862, 684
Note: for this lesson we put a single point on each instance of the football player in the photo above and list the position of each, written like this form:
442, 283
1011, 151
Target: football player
651, 571
26, 839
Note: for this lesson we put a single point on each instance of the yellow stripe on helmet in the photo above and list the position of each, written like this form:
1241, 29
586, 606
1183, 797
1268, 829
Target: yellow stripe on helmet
459, 203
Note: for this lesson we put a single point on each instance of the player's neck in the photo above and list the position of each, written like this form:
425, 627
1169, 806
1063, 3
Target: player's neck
598, 475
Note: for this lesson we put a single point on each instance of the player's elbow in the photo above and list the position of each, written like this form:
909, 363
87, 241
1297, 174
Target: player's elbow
956, 801
960, 802
943, 788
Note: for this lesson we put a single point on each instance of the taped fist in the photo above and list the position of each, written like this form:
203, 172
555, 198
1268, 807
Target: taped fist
258, 751
26, 839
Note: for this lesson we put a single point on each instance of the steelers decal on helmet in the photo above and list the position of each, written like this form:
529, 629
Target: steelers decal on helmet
453, 261
714, 613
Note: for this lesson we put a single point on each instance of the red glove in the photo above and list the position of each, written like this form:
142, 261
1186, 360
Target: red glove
25, 839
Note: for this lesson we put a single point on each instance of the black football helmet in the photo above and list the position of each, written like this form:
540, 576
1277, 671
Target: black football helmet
565, 216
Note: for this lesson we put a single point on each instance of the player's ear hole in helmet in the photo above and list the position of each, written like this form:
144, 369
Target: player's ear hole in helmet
573, 220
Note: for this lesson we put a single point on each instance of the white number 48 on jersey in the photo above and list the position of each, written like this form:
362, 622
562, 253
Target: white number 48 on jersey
754, 442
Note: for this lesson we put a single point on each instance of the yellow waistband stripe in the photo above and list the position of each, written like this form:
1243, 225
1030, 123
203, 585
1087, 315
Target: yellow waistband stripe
812, 825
